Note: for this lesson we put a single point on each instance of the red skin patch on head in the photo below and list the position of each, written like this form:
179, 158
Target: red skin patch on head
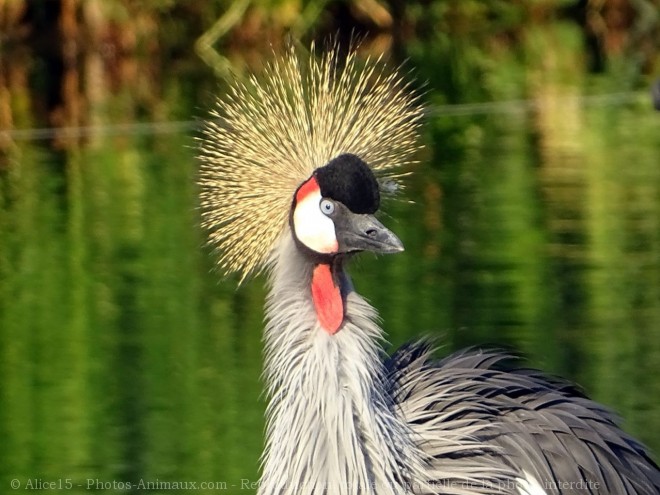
327, 299
307, 188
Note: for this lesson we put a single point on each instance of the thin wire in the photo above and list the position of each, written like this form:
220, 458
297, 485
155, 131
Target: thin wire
173, 127
517, 106
141, 128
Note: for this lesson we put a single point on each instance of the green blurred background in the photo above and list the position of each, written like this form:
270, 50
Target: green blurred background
532, 221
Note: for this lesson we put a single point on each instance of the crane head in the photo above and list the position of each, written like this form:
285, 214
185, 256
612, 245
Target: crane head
332, 211
309, 135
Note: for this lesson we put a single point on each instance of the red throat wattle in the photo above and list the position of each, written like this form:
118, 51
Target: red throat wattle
327, 299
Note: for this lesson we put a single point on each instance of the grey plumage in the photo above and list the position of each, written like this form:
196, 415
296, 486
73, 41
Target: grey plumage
342, 418
531, 422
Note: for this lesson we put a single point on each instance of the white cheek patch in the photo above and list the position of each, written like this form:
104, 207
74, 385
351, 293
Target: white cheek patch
314, 229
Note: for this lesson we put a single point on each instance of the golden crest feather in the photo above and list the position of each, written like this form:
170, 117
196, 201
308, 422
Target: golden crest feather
269, 133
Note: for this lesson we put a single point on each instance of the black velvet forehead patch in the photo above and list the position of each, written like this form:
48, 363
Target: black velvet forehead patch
349, 180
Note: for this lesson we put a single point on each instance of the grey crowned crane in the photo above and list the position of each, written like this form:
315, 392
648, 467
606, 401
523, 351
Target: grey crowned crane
293, 165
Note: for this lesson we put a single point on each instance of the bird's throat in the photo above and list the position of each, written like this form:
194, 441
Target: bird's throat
327, 298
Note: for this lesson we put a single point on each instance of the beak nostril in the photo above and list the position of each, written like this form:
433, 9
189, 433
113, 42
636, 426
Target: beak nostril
371, 232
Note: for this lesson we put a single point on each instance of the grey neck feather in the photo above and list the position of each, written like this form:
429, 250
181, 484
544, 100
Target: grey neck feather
331, 427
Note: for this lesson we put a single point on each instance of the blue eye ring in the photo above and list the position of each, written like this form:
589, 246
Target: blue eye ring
327, 206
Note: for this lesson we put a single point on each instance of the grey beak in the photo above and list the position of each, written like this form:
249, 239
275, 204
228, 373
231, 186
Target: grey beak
362, 232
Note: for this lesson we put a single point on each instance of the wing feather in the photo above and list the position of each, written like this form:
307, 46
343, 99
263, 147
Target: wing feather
517, 419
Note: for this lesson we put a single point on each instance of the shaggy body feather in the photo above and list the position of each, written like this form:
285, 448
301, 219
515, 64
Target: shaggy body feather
338, 421
550, 433
333, 386
342, 420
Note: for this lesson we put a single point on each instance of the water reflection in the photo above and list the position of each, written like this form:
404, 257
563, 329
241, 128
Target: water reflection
125, 357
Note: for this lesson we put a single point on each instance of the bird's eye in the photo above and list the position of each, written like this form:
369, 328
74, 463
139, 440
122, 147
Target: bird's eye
327, 206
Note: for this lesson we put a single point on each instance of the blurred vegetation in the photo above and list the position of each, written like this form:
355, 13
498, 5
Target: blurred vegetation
535, 223
78, 50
